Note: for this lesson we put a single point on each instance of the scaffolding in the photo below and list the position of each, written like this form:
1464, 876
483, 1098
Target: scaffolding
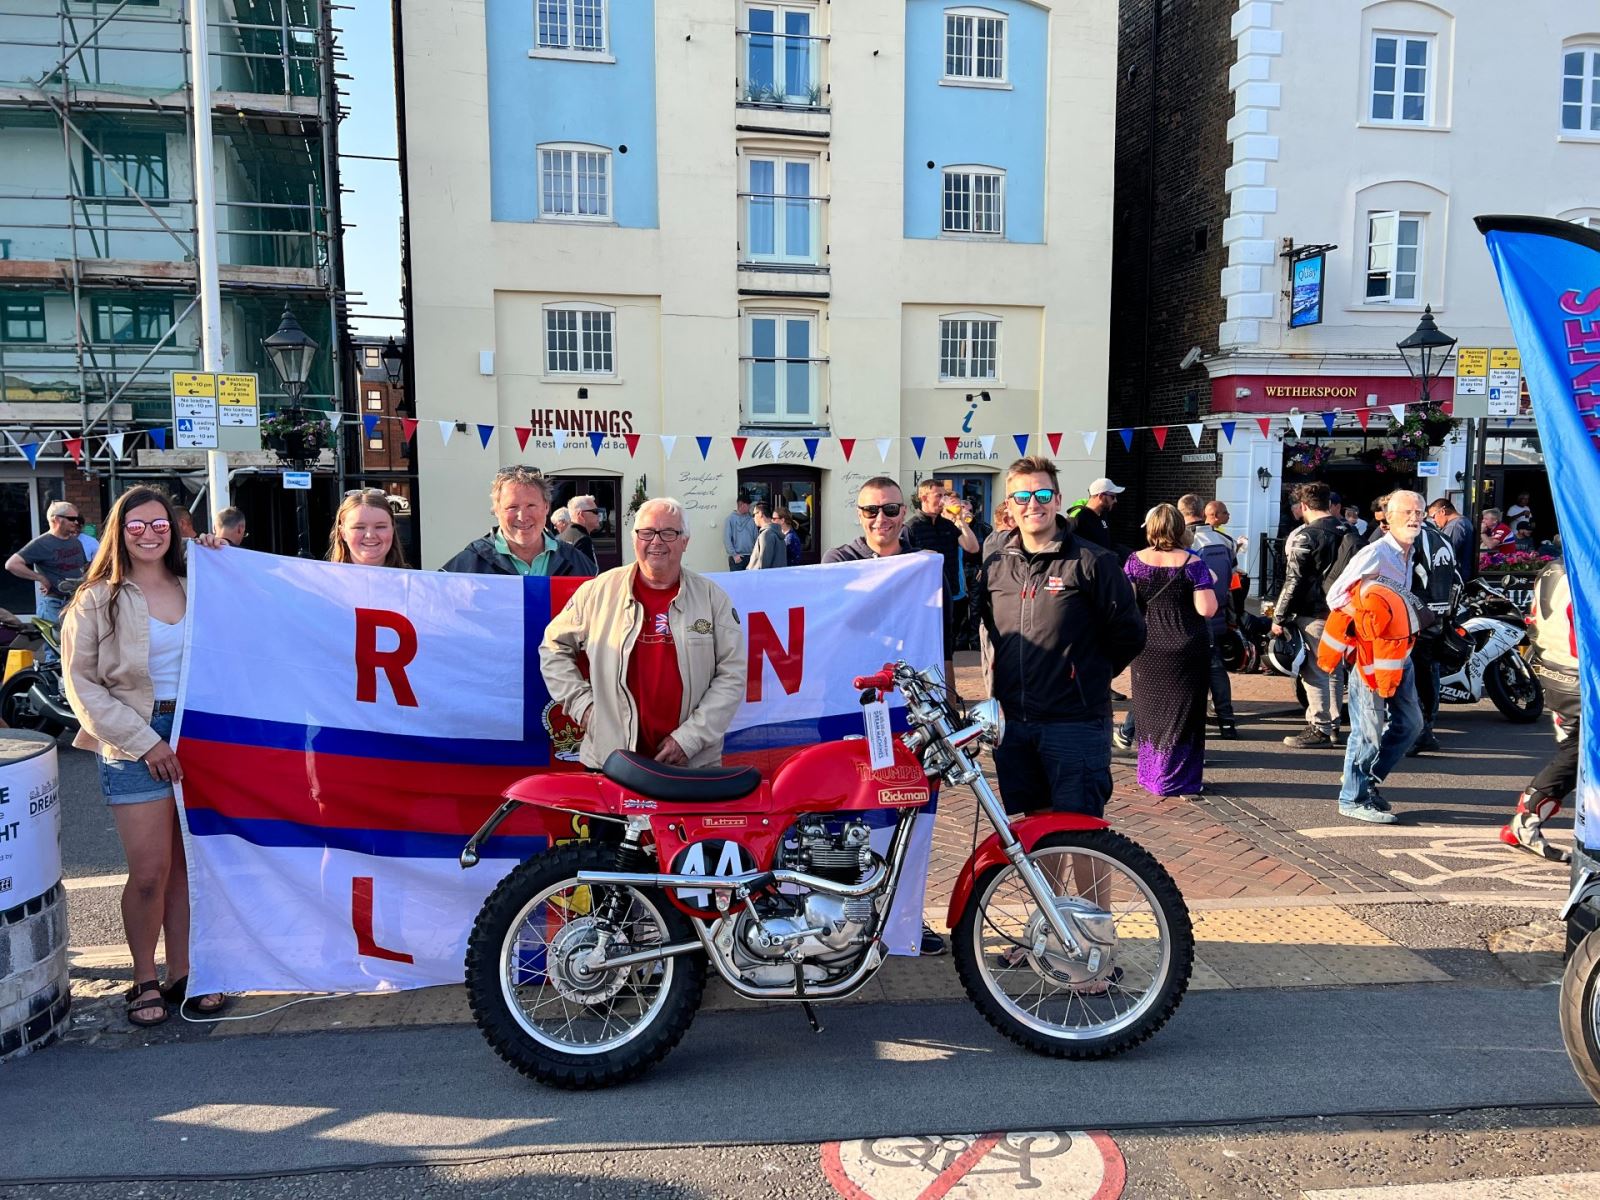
98, 282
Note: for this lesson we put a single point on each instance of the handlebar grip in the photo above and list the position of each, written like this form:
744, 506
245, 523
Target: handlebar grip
883, 681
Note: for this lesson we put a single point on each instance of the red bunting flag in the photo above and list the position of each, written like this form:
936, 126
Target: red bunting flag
950, 444
848, 445
75, 448
408, 426
1055, 442
633, 442
1362, 417
1159, 432
1266, 426
738, 447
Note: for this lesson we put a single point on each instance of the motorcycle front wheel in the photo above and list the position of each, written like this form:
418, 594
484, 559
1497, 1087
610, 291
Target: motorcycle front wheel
536, 1001
1580, 1011
1132, 920
1514, 688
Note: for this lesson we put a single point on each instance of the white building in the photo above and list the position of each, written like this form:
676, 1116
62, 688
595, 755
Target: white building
1382, 129
806, 224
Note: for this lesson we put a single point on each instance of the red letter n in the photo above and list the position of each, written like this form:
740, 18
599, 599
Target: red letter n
788, 665
370, 660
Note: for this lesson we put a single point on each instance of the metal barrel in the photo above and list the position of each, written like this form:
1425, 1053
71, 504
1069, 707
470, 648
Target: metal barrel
35, 991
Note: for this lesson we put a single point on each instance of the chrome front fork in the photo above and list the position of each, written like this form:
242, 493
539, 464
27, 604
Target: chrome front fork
1038, 885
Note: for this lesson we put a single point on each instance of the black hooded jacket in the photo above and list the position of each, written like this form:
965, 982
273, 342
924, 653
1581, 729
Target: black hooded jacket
1058, 626
479, 558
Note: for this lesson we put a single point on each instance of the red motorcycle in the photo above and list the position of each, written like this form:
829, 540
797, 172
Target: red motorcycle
587, 963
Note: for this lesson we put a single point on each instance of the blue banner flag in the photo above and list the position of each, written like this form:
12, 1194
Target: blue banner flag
1550, 275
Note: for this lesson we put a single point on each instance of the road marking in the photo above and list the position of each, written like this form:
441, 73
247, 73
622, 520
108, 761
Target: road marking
969, 1166
1454, 854
85, 882
1528, 1187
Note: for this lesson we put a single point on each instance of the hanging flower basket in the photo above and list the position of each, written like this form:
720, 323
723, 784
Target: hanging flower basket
297, 436
1305, 458
1400, 458
1425, 426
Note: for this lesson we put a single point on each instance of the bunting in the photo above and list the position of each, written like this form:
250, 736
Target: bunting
1297, 421
1055, 442
158, 435
1127, 439
1362, 417
1227, 428
951, 444
408, 428
669, 442
848, 445
632, 441
485, 432
1328, 420
705, 447
1160, 434
917, 443
1022, 444
75, 448
1196, 432
523, 433
1089, 436
369, 424
739, 444
598, 440
560, 436
884, 446
811, 448
985, 443
1266, 426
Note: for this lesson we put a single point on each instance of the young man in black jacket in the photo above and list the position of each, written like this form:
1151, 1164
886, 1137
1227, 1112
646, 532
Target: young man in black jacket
1434, 579
1059, 623
1310, 553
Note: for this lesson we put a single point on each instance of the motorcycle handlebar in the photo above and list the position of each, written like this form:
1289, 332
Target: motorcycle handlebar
883, 681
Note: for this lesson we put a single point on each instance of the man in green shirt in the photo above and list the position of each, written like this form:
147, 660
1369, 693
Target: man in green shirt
520, 498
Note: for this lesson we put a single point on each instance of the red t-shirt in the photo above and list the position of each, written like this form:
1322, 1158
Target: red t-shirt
653, 679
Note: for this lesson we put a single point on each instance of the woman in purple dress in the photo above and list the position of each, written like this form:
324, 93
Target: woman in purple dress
1171, 676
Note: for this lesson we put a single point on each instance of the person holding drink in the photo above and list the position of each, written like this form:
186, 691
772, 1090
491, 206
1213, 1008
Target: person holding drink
944, 525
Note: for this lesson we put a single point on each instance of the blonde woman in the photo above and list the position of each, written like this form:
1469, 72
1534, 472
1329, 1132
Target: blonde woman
122, 645
1171, 675
363, 531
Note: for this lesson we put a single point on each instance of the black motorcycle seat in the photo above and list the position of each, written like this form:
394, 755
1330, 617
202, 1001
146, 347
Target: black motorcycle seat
682, 784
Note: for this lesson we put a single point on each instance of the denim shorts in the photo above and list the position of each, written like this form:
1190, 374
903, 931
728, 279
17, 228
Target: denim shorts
125, 781
1056, 766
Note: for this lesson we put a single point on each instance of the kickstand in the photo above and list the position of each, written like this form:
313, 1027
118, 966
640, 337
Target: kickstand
805, 1005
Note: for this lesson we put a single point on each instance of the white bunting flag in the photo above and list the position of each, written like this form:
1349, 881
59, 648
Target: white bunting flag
777, 448
883, 448
446, 428
668, 441
1297, 422
1398, 412
1089, 436
1196, 431
114, 443
987, 442
561, 439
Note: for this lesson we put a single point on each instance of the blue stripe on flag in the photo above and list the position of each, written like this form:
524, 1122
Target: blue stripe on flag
807, 732
362, 743
535, 616
385, 843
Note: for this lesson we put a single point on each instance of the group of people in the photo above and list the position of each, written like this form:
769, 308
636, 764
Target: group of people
759, 536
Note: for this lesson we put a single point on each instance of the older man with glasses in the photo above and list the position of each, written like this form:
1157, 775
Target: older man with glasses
520, 498
666, 655
53, 560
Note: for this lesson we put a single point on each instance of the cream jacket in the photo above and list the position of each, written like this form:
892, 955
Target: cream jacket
603, 621
108, 673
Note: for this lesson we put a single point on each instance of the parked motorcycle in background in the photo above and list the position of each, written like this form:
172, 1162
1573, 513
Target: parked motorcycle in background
34, 696
587, 963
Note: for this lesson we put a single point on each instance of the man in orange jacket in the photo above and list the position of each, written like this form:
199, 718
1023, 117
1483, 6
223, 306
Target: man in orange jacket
1382, 727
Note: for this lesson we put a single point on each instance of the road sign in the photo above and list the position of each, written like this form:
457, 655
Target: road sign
196, 433
1504, 402
194, 410
1427, 470
194, 383
297, 480
1472, 361
236, 389
1505, 360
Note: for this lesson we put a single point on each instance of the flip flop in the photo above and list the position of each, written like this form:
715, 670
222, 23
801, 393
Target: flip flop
136, 1005
177, 992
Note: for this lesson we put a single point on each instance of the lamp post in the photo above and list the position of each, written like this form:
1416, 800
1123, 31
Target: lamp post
394, 362
290, 350
1264, 481
1425, 352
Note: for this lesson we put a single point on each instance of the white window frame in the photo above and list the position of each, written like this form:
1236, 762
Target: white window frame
1430, 68
565, 48
571, 151
967, 69
780, 57
1588, 101
812, 418
592, 345
960, 328
780, 254
1394, 247
972, 172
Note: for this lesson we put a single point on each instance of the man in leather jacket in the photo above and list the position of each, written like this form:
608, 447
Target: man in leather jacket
1310, 553
1434, 580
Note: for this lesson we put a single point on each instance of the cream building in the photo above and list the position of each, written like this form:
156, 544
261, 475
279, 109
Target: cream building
802, 224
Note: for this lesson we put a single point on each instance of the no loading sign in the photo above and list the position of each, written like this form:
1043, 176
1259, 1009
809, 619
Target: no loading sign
971, 1166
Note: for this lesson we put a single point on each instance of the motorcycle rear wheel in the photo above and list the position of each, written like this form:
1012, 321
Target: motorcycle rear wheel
17, 711
1074, 1014
1580, 1011
553, 1022
1515, 689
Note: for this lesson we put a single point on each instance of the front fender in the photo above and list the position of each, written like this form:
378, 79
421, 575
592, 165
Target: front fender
989, 853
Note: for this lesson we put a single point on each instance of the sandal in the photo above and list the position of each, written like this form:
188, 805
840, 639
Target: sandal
177, 992
136, 1005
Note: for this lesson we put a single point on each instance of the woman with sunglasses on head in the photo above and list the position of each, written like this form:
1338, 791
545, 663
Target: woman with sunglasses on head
122, 646
363, 531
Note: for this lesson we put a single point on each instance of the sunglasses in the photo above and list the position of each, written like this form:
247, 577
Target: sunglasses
74, 520
871, 511
1042, 495
159, 525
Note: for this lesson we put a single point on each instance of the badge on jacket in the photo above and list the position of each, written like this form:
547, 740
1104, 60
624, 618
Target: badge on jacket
700, 626
1055, 584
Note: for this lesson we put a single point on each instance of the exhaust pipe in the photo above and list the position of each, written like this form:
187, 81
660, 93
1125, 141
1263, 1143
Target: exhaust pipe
48, 706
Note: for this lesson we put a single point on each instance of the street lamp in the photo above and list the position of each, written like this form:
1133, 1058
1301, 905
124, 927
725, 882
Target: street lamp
1426, 351
1264, 481
394, 362
290, 350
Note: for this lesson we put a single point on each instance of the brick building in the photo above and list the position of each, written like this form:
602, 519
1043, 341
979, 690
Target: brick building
378, 453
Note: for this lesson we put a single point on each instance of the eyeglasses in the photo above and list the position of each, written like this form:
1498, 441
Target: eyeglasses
871, 511
136, 527
666, 535
1042, 495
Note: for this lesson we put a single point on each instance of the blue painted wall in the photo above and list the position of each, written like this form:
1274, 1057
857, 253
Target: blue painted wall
535, 100
986, 126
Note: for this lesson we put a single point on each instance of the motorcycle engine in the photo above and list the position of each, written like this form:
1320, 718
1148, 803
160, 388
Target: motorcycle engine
821, 931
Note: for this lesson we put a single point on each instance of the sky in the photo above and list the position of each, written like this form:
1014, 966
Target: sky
372, 205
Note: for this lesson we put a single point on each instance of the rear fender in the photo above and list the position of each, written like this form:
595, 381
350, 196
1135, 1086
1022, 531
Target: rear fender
990, 854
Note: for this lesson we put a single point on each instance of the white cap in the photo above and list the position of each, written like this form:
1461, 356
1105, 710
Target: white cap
1102, 486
